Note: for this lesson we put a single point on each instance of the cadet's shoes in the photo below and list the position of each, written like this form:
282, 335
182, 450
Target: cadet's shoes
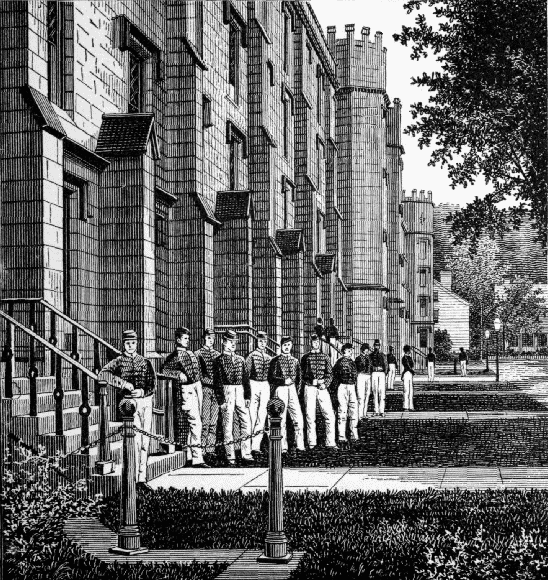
257, 454
248, 461
202, 465
231, 462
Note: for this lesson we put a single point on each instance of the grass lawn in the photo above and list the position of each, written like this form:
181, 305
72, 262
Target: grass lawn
431, 534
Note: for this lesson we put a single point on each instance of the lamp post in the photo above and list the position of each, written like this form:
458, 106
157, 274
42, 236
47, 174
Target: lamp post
497, 324
487, 335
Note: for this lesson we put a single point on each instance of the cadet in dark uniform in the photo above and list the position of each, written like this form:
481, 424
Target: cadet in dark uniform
231, 383
431, 363
316, 373
363, 388
258, 363
392, 363
345, 375
378, 377
210, 408
284, 376
407, 378
135, 374
182, 365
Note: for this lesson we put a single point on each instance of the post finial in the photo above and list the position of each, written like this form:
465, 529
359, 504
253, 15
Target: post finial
127, 407
275, 407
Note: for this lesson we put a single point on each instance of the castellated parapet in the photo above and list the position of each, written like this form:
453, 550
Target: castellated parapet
364, 60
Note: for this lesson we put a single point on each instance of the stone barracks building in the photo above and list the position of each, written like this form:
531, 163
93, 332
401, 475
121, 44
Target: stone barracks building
170, 163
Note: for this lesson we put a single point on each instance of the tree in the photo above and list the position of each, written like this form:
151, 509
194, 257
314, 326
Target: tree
443, 345
519, 307
476, 271
487, 110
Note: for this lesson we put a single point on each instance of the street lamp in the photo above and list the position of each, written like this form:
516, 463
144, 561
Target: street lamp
497, 324
487, 335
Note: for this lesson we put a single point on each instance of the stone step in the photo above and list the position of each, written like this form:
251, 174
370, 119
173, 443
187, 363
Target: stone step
21, 405
44, 423
71, 440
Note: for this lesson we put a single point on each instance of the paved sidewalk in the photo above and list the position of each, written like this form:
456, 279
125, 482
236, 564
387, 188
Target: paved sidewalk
357, 478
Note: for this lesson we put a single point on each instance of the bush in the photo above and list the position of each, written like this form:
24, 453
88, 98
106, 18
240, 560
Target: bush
443, 345
33, 515
453, 534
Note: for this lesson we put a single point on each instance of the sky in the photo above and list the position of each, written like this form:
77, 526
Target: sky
388, 16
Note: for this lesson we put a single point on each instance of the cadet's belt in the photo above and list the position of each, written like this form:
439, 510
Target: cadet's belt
258, 382
378, 369
192, 385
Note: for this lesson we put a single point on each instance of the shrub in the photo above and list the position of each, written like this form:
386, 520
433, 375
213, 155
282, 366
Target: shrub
443, 345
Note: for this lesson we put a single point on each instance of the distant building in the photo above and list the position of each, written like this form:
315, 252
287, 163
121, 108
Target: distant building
451, 312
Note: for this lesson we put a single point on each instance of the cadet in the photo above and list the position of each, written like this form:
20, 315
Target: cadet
392, 362
463, 359
258, 363
431, 363
316, 373
182, 365
407, 378
134, 373
363, 389
345, 374
378, 377
284, 376
231, 383
210, 408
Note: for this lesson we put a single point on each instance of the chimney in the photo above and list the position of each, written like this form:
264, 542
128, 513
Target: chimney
446, 278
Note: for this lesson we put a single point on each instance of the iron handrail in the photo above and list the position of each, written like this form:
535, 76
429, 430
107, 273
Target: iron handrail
48, 345
62, 315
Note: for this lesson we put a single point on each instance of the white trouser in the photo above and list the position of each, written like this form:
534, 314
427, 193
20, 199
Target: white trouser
200, 394
334, 354
391, 376
408, 391
288, 394
363, 392
378, 384
431, 371
191, 405
313, 395
260, 393
463, 368
348, 408
235, 403
142, 420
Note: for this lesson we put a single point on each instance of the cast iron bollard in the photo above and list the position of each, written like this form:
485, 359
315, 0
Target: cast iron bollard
129, 537
275, 548
104, 465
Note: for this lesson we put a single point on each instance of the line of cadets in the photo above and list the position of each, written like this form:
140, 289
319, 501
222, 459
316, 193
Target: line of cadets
208, 381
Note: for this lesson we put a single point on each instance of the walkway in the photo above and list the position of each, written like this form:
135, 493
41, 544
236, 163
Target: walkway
357, 478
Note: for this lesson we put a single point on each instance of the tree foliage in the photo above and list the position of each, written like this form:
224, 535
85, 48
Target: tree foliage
443, 345
476, 271
520, 306
487, 110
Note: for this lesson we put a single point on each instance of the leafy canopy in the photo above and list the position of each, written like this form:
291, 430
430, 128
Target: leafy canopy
520, 306
487, 110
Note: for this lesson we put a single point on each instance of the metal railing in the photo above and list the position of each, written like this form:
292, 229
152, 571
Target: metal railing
38, 312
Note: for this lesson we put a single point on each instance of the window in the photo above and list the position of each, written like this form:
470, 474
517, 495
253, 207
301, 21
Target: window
436, 296
385, 303
319, 95
287, 30
136, 83
234, 60
402, 260
161, 230
402, 312
422, 278
287, 106
527, 340
436, 314
423, 337
384, 237
237, 148
401, 209
56, 45
423, 305
206, 112
75, 185
265, 15
270, 71
542, 340
320, 157
423, 245
309, 52
199, 28
288, 192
